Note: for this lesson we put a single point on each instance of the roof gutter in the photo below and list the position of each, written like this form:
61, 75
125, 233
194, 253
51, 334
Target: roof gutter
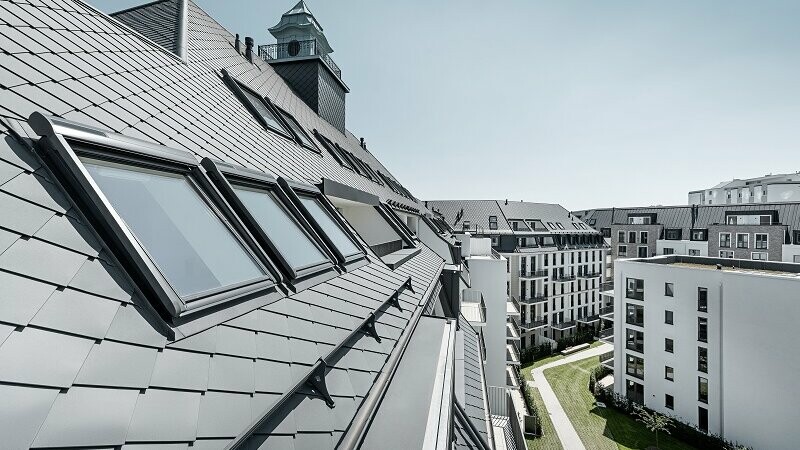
470, 427
358, 428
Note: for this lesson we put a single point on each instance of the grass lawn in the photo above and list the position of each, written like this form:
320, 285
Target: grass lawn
600, 428
549, 439
526, 370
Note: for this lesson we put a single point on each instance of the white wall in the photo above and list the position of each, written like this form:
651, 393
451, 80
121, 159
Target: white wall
783, 192
488, 275
753, 358
682, 247
371, 226
789, 251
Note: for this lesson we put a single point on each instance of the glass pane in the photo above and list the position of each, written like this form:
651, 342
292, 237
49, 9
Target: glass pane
185, 239
263, 110
282, 230
298, 130
326, 222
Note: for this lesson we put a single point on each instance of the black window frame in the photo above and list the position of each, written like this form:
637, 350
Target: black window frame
669, 401
702, 299
700, 397
702, 359
673, 234
702, 232
669, 373
58, 145
669, 345
669, 317
295, 190
702, 329
669, 289
631, 320
226, 176
333, 150
634, 340
288, 118
394, 221
239, 89
637, 291
492, 223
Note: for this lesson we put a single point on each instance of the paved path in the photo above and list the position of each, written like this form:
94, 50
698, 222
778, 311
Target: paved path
566, 432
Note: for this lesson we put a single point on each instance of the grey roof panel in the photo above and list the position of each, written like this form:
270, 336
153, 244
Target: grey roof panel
129, 325
273, 442
223, 414
22, 411
204, 342
6, 239
85, 417
113, 364
26, 256
271, 376
273, 347
76, 312
230, 373
99, 278
27, 217
165, 416
21, 298
36, 189
41, 357
235, 341
304, 352
181, 370
68, 232
8, 172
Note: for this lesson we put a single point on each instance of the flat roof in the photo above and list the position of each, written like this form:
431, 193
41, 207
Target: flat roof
772, 268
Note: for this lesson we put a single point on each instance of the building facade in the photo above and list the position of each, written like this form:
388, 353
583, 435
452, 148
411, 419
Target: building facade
555, 263
690, 343
778, 188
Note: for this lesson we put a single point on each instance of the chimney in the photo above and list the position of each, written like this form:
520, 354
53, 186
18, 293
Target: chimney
506, 201
248, 48
363, 144
238, 44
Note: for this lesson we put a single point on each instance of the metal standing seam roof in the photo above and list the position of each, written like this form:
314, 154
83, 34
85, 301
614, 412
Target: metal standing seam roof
478, 212
681, 216
83, 360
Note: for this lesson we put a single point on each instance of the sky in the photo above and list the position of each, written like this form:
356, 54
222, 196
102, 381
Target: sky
583, 103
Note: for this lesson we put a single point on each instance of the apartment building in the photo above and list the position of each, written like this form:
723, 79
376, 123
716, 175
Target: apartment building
196, 252
777, 188
768, 232
710, 341
555, 263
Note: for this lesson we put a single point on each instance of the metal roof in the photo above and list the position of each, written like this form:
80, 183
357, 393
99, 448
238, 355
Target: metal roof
84, 359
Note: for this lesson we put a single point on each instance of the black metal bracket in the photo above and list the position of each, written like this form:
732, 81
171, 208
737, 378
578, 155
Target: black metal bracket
317, 382
395, 298
408, 285
369, 327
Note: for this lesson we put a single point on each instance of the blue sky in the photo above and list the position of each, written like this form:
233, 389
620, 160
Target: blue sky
587, 104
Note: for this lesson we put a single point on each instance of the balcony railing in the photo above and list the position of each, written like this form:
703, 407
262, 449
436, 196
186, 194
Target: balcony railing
589, 319
537, 322
563, 278
607, 310
607, 335
513, 309
512, 354
297, 49
591, 274
512, 331
532, 273
534, 299
565, 325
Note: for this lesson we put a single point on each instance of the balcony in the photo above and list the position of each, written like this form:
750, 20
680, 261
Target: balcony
512, 381
589, 319
607, 313
473, 307
512, 355
512, 331
534, 299
563, 278
591, 275
512, 307
563, 326
533, 274
535, 324
607, 288
297, 49
607, 360
607, 335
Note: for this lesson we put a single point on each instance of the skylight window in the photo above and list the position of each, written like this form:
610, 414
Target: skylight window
185, 239
152, 207
338, 238
259, 106
300, 134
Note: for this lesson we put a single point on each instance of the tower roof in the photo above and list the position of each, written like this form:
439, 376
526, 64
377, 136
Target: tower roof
300, 19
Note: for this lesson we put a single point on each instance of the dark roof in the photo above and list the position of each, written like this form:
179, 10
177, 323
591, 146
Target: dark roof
681, 216
161, 21
84, 359
470, 389
477, 212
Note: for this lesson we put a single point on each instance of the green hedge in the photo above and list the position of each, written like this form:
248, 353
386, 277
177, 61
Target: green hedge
540, 351
533, 411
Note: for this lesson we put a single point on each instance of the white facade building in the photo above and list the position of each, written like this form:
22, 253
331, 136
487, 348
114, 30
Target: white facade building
766, 189
711, 345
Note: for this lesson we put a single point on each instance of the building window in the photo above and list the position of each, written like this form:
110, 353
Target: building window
796, 258
669, 289
606, 232
330, 227
702, 389
702, 299
673, 234
631, 237
634, 288
699, 235
796, 237
669, 345
702, 359
760, 256
725, 240
643, 237
742, 240
669, 401
634, 392
258, 106
702, 419
669, 251
634, 366
635, 315
694, 252
669, 373
726, 254
493, 222
762, 240
642, 252
621, 237
300, 134
634, 340
622, 251
495, 241
702, 329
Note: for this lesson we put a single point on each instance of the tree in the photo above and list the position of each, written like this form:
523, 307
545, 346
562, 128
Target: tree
653, 421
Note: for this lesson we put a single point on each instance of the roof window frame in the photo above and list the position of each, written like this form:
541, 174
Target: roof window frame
396, 223
239, 89
295, 190
289, 119
63, 143
226, 176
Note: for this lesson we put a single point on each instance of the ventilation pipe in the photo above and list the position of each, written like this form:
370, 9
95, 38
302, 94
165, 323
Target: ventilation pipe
238, 44
248, 48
